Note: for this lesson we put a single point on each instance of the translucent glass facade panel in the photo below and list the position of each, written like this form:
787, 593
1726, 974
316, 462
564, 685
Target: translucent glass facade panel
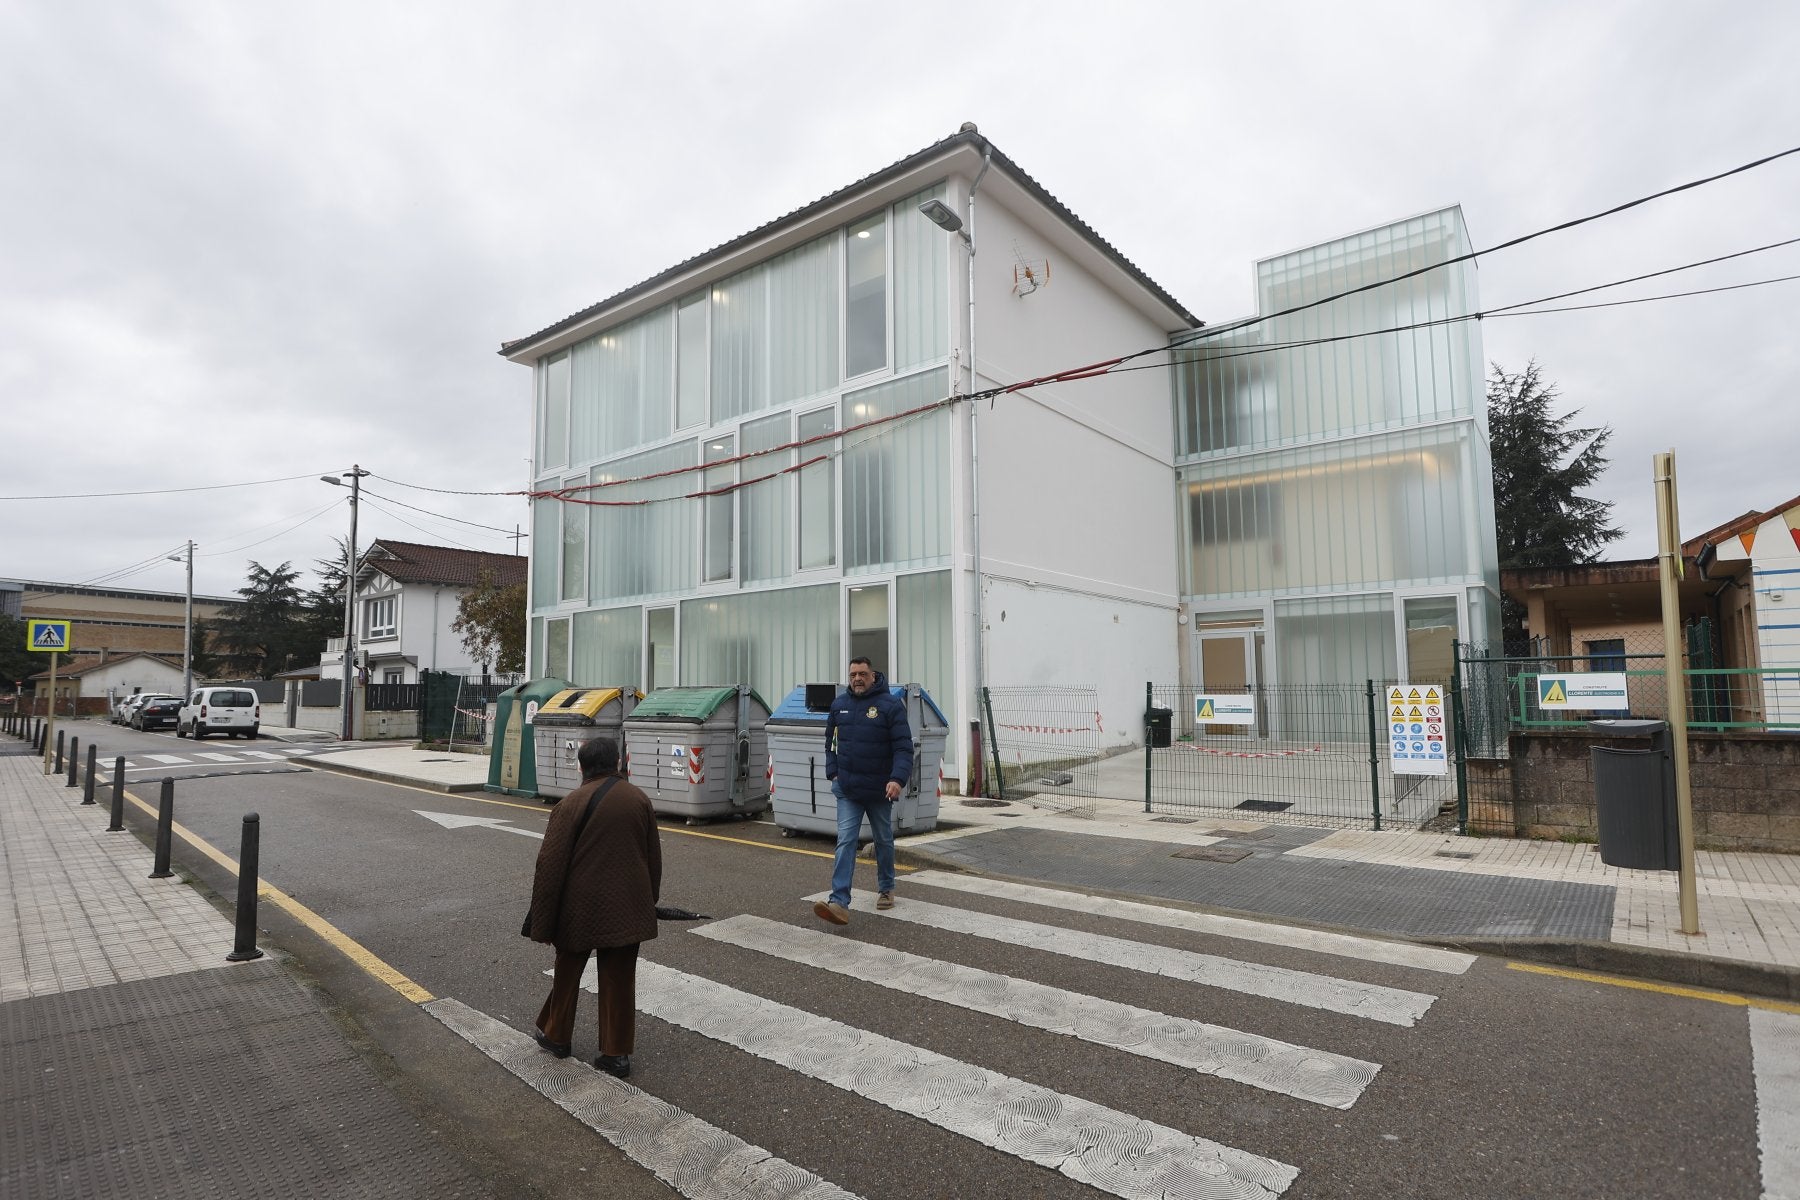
922, 637
643, 549
535, 664
690, 363
817, 487
1395, 509
803, 321
621, 392
865, 297
546, 544
718, 557
1336, 639
606, 648
921, 296
1331, 370
897, 477
763, 507
740, 334
556, 647
553, 414
574, 546
770, 640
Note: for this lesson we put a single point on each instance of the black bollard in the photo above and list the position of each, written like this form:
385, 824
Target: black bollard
165, 829
87, 785
118, 799
74, 761
244, 948
60, 734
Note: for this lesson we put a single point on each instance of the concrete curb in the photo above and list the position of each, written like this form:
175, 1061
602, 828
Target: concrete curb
1677, 967
392, 777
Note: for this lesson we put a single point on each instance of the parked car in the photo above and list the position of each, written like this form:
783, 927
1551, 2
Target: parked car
234, 711
158, 712
127, 708
121, 708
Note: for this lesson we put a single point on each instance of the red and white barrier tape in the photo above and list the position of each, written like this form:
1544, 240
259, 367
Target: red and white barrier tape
1250, 753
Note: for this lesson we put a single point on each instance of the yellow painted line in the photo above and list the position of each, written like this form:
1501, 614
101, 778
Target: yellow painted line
1666, 989
719, 837
352, 949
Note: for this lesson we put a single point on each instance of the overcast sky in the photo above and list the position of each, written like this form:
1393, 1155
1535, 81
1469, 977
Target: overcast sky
254, 241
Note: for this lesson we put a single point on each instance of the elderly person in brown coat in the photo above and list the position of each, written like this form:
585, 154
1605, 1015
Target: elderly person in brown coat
599, 874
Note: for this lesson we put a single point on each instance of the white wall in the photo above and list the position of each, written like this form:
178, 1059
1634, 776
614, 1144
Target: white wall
125, 676
425, 613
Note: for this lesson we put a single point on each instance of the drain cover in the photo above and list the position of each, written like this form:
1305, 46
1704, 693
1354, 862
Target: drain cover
1456, 854
1219, 854
984, 804
1176, 820
1267, 805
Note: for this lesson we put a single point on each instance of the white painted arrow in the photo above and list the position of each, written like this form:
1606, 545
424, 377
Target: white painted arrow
458, 821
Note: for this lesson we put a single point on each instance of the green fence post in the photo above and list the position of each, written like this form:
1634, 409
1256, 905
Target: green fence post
1149, 701
987, 705
1462, 753
1374, 760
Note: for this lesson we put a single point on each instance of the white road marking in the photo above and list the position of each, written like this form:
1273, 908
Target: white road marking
1106, 1149
1395, 1006
167, 758
1426, 958
1775, 1063
700, 1161
1315, 1075
230, 758
458, 821
265, 755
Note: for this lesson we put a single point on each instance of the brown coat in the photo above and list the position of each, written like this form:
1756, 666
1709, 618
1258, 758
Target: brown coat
614, 876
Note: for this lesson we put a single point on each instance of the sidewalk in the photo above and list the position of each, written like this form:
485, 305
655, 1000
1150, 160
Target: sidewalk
138, 1061
1550, 902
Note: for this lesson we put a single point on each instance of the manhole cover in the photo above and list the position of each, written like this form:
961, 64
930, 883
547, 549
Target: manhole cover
1266, 805
984, 804
1219, 854
1058, 780
1456, 854
1176, 820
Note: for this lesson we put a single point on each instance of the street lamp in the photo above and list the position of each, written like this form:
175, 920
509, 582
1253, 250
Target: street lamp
354, 475
187, 637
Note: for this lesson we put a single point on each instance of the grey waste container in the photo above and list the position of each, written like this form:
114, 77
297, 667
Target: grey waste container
1634, 796
571, 717
700, 752
801, 796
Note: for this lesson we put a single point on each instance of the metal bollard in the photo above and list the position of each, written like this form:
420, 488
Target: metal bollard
244, 948
165, 829
87, 785
118, 797
60, 734
74, 760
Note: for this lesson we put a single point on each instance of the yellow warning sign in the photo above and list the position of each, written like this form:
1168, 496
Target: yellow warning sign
1554, 694
1431, 695
1398, 711
1416, 714
1414, 695
1206, 710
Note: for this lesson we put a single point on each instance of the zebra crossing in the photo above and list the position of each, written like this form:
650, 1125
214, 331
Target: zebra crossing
203, 758
1111, 1151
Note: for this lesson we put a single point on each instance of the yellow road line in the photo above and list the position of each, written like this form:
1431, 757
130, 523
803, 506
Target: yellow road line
719, 837
352, 949
1666, 989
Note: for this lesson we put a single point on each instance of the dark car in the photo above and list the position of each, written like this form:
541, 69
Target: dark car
161, 713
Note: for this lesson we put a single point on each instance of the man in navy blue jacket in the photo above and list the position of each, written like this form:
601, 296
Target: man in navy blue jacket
868, 758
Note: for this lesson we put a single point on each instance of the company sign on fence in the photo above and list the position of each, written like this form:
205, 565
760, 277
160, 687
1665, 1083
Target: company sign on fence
1225, 710
1593, 690
1416, 729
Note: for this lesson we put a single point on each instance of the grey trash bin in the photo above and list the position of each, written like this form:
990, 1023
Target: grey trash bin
801, 796
1634, 797
701, 752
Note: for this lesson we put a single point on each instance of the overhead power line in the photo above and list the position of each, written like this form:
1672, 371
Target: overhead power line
211, 487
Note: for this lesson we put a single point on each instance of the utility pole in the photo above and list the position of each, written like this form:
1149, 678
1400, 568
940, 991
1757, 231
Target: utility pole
1669, 570
187, 640
354, 475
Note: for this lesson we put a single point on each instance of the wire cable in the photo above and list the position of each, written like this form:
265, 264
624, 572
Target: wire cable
439, 516
211, 487
307, 520
428, 533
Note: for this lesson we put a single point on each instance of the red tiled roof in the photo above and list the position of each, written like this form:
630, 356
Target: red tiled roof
411, 562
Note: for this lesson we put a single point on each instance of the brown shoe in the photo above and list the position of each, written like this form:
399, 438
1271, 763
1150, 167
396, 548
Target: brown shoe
831, 912
885, 900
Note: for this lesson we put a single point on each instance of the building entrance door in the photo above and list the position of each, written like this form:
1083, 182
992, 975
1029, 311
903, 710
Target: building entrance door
1230, 664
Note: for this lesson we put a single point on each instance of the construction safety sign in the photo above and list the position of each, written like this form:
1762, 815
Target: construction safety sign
1416, 744
1225, 710
1587, 691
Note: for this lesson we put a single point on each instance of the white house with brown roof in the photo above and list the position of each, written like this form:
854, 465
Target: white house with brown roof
406, 598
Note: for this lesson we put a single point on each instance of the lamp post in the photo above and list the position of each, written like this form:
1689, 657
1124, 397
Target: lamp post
187, 625
941, 215
354, 475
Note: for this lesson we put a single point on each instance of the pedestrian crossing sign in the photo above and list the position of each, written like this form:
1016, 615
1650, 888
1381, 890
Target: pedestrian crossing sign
48, 637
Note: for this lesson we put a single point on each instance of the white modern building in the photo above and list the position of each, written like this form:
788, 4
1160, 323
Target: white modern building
794, 448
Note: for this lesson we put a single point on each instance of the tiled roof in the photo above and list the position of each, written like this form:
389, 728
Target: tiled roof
411, 562
967, 136
83, 667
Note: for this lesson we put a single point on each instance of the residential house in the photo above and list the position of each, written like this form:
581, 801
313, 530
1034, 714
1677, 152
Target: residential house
406, 598
801, 445
89, 685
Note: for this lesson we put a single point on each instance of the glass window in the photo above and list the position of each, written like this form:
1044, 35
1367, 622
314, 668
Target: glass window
546, 538
865, 297
739, 337
379, 617
818, 491
803, 321
1606, 654
642, 539
896, 476
690, 365
574, 546
770, 640
661, 638
603, 647
869, 624
556, 648
1431, 637
553, 415
763, 506
719, 546
921, 293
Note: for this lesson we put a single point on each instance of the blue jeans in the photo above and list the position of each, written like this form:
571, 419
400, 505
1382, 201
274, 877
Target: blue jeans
850, 814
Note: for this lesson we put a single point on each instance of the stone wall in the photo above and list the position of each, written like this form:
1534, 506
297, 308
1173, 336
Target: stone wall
1745, 786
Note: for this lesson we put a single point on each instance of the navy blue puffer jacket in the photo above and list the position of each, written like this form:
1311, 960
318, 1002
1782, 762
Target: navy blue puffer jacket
868, 742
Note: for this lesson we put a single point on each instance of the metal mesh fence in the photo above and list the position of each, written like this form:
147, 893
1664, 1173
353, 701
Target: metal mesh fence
1043, 745
1303, 754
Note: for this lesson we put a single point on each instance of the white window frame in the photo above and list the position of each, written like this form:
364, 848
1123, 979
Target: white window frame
830, 569
847, 380
888, 581
704, 299
730, 582
371, 604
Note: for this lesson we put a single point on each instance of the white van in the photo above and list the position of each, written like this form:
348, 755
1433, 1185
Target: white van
227, 710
